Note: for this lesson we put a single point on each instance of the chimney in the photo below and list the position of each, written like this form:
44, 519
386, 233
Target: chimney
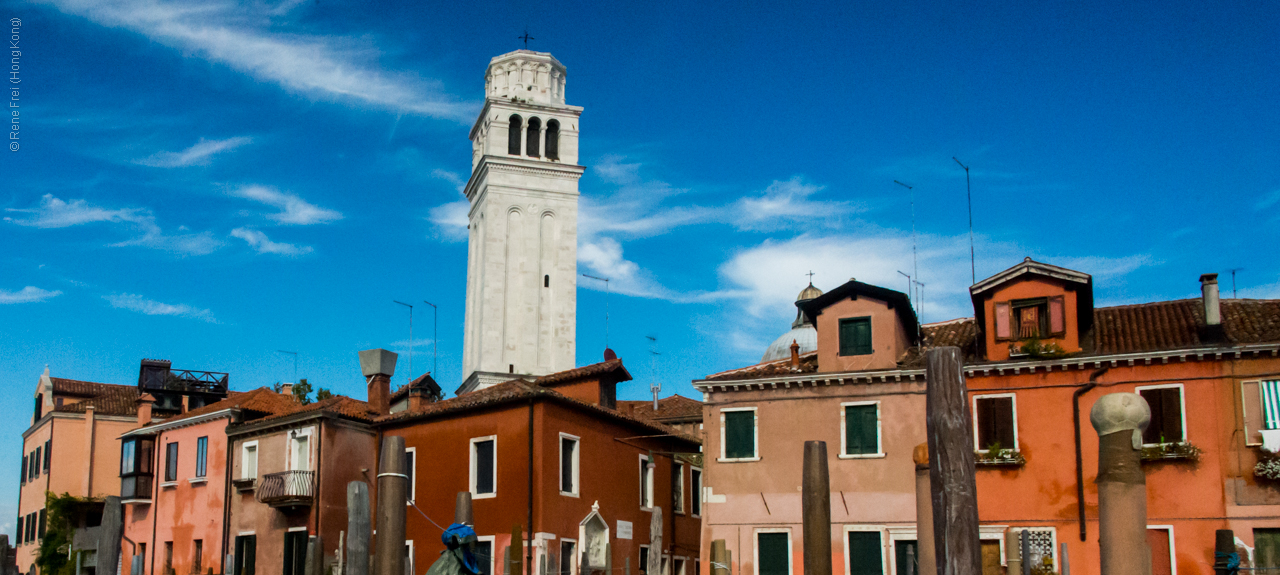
795, 354
145, 402
1209, 293
286, 389
417, 400
378, 365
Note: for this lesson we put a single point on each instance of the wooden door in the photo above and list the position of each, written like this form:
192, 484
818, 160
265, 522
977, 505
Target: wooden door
1161, 562
991, 559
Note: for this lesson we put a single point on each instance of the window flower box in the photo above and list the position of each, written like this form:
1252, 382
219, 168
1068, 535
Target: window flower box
1268, 468
999, 458
1181, 450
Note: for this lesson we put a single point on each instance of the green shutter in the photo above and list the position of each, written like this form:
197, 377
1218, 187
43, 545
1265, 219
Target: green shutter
772, 552
739, 434
864, 553
855, 336
860, 430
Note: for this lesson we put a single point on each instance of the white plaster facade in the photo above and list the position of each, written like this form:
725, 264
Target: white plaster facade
523, 232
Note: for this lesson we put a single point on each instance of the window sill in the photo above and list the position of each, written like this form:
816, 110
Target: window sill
568, 494
861, 456
169, 485
737, 459
475, 495
198, 480
143, 501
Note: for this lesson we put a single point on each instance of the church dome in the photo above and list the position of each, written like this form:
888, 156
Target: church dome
802, 332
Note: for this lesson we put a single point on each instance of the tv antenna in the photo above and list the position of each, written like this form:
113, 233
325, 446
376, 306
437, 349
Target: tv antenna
915, 265
435, 338
410, 338
295, 362
1233, 281
973, 268
656, 386
921, 286
606, 306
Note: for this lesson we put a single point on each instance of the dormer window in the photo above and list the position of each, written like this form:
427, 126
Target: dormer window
1034, 318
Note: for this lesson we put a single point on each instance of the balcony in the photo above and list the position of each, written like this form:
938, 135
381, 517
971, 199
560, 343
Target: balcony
287, 488
158, 376
136, 488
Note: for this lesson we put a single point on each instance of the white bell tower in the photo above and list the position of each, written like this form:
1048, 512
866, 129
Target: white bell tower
523, 244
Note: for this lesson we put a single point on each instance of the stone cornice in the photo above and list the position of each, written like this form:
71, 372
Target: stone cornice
812, 380
519, 166
505, 104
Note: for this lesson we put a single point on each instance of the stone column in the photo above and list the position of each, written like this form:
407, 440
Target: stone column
110, 535
393, 490
924, 513
815, 489
1119, 419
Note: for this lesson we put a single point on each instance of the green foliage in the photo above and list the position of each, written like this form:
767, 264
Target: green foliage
323, 394
998, 455
1179, 450
1038, 349
302, 391
62, 514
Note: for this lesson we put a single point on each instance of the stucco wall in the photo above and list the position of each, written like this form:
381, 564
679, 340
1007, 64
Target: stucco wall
1025, 288
888, 336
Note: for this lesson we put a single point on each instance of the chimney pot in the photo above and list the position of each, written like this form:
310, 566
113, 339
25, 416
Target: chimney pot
1209, 296
378, 365
795, 354
286, 389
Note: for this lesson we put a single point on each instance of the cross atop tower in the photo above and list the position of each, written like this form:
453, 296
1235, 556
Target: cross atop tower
526, 39
810, 274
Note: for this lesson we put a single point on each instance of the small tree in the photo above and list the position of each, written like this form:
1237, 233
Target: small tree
302, 391
323, 394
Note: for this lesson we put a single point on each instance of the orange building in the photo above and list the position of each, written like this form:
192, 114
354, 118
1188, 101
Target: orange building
557, 454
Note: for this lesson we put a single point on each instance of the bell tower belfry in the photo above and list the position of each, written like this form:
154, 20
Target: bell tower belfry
523, 225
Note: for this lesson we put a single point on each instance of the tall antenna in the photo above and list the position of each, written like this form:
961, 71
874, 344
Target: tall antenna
435, 338
606, 307
973, 268
921, 286
410, 338
915, 265
295, 358
656, 386
1233, 281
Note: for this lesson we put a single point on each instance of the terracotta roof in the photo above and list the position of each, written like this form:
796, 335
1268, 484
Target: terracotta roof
777, 368
261, 401
514, 391
85, 388
123, 400
674, 408
339, 405
425, 381
613, 366
852, 289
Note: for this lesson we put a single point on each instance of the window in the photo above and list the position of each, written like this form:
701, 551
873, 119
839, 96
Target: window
168, 556
738, 434
773, 552
1266, 554
644, 559
906, 556
864, 549
1270, 404
249, 460
300, 449
677, 488
410, 459
171, 462
1043, 543
48, 454
855, 336
995, 422
484, 468
202, 453
546, 281
1160, 540
860, 430
513, 135
246, 553
695, 487
19, 533
1167, 419
23, 475
646, 482
197, 556
531, 140
35, 461
568, 465
568, 554
553, 140
484, 554
39, 408
295, 552
1030, 318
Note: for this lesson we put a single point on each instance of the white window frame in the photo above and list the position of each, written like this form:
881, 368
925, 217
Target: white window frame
684, 564
755, 547
573, 560
474, 441
698, 493
577, 453
291, 436
1173, 552
755, 436
678, 504
895, 535
409, 543
493, 550
1182, 406
995, 533
844, 435
844, 537
643, 565
973, 407
647, 472
413, 484
244, 450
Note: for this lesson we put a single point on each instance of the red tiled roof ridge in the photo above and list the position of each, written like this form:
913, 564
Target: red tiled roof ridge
607, 366
78, 387
785, 360
946, 322
264, 395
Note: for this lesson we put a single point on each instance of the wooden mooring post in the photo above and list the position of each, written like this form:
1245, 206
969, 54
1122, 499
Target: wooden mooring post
951, 472
357, 558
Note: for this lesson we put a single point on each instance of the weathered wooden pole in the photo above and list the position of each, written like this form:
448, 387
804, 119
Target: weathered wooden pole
1119, 419
951, 473
515, 559
815, 493
393, 493
109, 537
655, 541
358, 528
462, 509
925, 562
719, 558
1224, 547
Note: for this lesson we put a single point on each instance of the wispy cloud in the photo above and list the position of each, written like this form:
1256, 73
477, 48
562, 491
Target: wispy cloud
458, 181
320, 66
56, 213
451, 220
259, 241
140, 304
787, 204
29, 294
198, 154
293, 209
1268, 200
186, 244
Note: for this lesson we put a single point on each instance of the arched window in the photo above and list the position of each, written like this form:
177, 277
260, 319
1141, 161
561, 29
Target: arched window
553, 140
513, 136
531, 141
546, 281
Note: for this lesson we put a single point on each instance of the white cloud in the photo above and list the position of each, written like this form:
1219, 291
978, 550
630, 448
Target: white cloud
458, 181
198, 154
140, 304
325, 67
258, 241
451, 220
294, 210
1268, 200
786, 204
56, 213
189, 244
29, 294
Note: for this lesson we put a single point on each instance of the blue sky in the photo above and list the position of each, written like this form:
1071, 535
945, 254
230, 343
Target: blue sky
211, 181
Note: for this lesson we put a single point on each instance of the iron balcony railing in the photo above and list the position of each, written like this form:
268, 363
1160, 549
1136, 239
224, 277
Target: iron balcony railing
162, 378
287, 488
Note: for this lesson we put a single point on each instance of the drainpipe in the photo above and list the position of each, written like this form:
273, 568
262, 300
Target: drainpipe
226, 495
155, 495
318, 504
529, 548
1075, 420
